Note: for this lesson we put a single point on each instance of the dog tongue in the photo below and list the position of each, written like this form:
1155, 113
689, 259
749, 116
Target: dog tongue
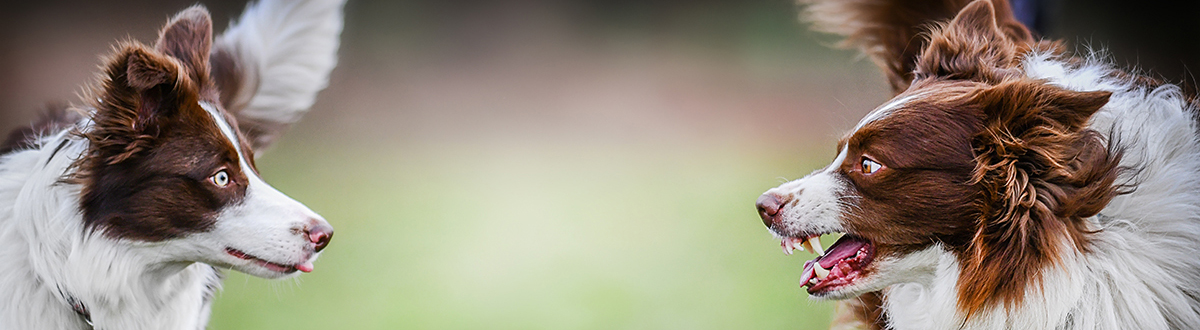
808, 273
845, 247
306, 267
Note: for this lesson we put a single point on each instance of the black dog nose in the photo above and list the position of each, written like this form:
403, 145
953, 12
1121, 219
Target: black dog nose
320, 235
768, 207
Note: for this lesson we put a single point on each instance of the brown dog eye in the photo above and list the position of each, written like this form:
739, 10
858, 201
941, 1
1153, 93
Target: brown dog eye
221, 179
869, 166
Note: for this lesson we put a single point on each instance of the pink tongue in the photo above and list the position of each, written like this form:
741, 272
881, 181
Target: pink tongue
845, 247
306, 267
808, 273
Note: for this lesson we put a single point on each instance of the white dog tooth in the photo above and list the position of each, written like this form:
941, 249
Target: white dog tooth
814, 242
819, 271
795, 242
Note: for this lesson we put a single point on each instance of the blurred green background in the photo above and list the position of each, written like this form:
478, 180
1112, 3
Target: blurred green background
522, 164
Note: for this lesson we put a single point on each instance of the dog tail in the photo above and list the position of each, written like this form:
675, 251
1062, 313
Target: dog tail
270, 63
890, 32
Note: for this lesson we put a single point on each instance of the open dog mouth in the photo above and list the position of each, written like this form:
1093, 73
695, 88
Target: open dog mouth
840, 266
306, 267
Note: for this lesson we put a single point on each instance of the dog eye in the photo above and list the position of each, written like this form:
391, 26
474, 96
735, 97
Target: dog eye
221, 179
869, 166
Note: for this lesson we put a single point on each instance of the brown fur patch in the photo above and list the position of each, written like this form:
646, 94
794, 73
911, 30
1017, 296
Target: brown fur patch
921, 195
1040, 172
153, 148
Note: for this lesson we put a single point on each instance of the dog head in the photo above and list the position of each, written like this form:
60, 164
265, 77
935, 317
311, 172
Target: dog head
168, 167
973, 158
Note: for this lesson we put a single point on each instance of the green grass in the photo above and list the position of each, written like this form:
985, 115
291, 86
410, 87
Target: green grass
532, 237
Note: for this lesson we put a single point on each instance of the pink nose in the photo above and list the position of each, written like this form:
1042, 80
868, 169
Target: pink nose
320, 234
768, 207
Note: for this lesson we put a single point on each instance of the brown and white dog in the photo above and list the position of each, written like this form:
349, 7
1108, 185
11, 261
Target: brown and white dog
1009, 184
116, 214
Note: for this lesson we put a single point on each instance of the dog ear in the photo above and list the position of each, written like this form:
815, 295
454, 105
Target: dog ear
981, 43
1040, 172
188, 37
994, 19
140, 88
270, 64
145, 70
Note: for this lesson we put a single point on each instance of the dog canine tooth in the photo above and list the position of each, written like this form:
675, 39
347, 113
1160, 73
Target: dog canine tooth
814, 244
821, 272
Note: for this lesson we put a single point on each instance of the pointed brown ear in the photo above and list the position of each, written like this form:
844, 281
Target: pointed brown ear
990, 21
145, 70
188, 37
977, 19
140, 88
981, 43
153, 83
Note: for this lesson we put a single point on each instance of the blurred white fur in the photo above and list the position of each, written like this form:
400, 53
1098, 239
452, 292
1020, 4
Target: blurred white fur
285, 51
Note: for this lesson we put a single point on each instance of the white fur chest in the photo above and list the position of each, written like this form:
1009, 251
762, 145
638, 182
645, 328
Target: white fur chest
48, 256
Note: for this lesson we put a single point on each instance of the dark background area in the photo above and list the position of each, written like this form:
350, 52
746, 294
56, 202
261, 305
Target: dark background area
1161, 38
52, 47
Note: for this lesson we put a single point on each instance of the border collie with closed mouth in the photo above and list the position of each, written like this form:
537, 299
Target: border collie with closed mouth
117, 214
1008, 184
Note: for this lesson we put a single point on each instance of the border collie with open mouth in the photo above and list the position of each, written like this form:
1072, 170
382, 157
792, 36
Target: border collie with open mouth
1009, 184
118, 213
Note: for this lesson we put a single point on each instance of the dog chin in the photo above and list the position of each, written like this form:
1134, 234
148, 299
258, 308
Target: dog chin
858, 288
258, 271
